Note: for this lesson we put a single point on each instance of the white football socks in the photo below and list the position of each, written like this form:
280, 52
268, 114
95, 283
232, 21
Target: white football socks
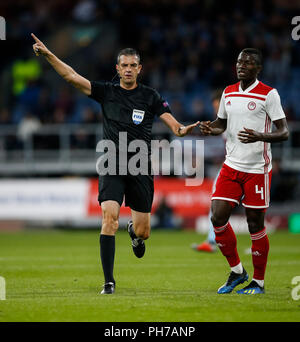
237, 269
259, 282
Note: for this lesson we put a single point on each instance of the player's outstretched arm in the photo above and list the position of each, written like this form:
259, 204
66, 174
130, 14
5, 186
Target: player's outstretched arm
62, 68
177, 128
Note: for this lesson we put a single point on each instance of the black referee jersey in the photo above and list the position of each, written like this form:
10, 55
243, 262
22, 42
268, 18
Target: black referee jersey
131, 111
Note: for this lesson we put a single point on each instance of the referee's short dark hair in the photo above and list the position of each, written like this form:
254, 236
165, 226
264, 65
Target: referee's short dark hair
128, 52
255, 53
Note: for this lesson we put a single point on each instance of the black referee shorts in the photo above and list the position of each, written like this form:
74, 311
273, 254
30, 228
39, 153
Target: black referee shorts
138, 191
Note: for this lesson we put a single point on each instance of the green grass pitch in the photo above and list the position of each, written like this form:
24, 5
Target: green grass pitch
56, 276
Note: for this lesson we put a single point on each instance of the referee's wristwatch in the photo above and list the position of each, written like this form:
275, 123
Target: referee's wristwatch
180, 128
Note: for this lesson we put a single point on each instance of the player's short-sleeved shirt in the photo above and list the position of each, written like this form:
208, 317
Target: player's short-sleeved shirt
130, 111
254, 108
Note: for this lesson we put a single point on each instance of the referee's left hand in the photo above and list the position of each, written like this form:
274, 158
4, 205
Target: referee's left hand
188, 129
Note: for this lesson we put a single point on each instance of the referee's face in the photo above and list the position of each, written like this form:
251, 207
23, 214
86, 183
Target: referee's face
128, 69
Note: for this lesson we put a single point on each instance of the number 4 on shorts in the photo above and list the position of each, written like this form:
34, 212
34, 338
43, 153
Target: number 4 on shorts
261, 191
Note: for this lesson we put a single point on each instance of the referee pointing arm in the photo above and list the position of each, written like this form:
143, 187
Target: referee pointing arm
130, 107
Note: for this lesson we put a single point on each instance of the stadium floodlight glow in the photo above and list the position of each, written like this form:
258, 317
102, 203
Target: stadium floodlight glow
2, 29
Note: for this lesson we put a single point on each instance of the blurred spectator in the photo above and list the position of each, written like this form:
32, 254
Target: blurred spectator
284, 183
28, 125
197, 110
164, 214
277, 66
85, 11
187, 48
192, 70
24, 71
44, 106
175, 82
59, 116
179, 109
4, 116
82, 140
89, 116
65, 101
220, 75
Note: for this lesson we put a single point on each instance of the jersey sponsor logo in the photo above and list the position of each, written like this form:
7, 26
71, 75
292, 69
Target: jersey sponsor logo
137, 116
251, 105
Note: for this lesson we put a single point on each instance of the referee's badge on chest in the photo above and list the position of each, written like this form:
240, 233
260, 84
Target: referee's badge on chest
137, 116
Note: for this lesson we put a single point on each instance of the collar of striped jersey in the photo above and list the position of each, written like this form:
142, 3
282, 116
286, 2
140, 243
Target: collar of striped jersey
252, 86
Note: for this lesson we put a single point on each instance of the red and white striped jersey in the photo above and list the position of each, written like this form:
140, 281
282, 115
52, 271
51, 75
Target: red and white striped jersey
254, 108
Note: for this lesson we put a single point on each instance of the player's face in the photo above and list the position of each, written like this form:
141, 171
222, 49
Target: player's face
246, 67
128, 69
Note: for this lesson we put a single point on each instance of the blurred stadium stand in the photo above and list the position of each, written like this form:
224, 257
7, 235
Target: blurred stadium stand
188, 50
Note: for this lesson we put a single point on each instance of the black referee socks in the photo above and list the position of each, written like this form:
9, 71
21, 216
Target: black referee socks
107, 254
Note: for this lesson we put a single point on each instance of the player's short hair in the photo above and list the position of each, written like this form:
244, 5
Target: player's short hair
255, 53
128, 52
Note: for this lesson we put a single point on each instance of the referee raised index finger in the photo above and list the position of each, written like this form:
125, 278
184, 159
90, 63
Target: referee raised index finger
35, 38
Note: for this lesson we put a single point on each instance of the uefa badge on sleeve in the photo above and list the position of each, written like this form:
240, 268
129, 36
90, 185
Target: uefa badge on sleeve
137, 116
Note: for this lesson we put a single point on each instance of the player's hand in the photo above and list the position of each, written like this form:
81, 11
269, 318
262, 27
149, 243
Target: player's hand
249, 136
188, 129
39, 48
205, 128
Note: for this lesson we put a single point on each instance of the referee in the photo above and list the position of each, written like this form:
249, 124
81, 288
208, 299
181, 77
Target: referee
129, 107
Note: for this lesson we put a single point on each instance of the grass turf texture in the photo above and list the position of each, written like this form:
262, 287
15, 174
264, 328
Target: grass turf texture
56, 276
